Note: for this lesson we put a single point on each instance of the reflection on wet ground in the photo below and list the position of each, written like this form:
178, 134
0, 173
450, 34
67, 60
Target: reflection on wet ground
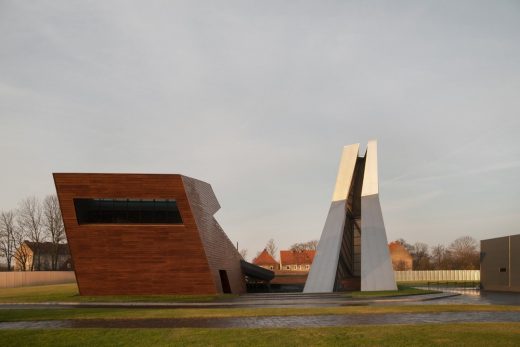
269, 300
475, 297
450, 296
274, 322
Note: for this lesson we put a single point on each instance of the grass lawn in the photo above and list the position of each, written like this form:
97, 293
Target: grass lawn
144, 313
402, 291
438, 283
471, 334
69, 293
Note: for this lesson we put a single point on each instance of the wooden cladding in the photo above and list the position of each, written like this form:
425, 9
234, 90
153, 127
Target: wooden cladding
121, 257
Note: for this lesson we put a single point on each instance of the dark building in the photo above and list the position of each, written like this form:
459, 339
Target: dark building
43, 256
500, 264
138, 234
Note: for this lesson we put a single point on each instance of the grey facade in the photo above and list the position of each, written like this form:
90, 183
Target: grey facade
500, 264
353, 250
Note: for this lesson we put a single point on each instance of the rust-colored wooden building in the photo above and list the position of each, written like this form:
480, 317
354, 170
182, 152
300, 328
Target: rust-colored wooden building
138, 234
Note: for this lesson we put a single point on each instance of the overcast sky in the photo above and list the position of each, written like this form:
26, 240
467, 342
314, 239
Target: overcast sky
259, 97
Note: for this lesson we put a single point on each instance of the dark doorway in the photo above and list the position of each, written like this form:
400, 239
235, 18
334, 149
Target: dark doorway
224, 281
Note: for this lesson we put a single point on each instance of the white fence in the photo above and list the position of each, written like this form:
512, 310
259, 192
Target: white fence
438, 276
12, 279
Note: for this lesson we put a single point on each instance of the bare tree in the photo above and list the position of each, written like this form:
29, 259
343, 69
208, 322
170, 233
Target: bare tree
243, 253
465, 253
21, 254
441, 258
405, 244
271, 248
400, 265
421, 258
53, 224
7, 237
30, 220
305, 246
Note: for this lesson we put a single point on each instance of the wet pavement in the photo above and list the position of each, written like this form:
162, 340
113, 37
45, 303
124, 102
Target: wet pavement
472, 296
273, 321
267, 300
450, 296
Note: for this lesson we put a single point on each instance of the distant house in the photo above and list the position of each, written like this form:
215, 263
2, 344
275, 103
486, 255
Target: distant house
291, 273
401, 259
265, 260
296, 260
28, 252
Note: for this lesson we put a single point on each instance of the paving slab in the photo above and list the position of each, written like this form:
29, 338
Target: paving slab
246, 301
274, 321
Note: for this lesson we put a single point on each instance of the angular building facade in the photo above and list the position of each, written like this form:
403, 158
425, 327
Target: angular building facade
500, 264
139, 234
353, 250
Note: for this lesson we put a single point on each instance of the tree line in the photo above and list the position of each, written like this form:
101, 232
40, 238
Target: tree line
33, 220
461, 254
272, 248
40, 221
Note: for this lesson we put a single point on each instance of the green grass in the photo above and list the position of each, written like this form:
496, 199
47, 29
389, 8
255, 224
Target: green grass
144, 313
402, 291
69, 293
433, 283
472, 334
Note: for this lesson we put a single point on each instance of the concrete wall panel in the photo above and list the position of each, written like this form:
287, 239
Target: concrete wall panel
515, 263
323, 270
376, 265
494, 257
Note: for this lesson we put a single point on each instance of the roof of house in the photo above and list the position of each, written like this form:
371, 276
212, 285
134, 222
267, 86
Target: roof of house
264, 258
297, 257
47, 247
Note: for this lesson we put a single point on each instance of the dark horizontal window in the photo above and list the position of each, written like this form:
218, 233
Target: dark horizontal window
127, 211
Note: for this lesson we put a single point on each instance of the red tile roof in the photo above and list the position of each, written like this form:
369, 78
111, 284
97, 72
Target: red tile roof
296, 257
264, 258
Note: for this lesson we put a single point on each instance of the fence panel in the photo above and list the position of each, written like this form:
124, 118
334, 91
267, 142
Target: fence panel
437, 276
13, 279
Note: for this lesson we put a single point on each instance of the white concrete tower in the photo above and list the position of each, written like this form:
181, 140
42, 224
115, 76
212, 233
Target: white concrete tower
376, 266
353, 245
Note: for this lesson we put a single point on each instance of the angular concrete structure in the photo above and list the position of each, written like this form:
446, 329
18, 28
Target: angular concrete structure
146, 234
353, 249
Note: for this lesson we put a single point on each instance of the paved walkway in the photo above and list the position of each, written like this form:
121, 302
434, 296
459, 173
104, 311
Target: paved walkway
249, 301
273, 321
477, 297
